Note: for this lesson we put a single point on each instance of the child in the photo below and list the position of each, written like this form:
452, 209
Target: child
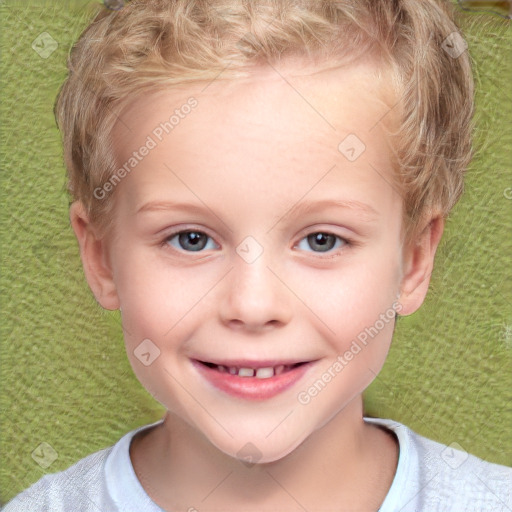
309, 152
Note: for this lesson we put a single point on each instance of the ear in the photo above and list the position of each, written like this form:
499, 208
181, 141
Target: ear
93, 252
418, 264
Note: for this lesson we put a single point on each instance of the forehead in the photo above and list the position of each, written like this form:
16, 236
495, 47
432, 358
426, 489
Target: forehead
331, 93
286, 125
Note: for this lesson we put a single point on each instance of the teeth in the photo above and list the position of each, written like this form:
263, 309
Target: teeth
259, 373
264, 373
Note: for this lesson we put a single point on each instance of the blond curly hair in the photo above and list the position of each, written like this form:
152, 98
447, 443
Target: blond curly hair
154, 44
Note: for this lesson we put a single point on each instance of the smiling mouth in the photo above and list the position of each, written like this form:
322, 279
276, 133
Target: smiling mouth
258, 372
250, 379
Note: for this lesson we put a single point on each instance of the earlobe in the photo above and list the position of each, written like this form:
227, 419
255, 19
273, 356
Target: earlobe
93, 252
418, 266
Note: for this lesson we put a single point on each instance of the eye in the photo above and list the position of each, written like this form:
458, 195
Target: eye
322, 242
190, 241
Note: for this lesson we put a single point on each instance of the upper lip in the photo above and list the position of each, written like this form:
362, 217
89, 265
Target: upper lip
251, 363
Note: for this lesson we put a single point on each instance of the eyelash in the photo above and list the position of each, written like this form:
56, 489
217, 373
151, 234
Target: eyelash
329, 253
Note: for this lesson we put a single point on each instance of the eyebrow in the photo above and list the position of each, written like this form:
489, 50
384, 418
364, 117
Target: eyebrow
367, 211
154, 206
302, 208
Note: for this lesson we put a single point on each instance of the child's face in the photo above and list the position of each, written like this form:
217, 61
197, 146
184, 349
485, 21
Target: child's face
248, 288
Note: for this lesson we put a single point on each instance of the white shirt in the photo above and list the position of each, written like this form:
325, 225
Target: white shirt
430, 477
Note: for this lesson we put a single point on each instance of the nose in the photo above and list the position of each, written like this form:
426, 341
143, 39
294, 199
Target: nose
254, 297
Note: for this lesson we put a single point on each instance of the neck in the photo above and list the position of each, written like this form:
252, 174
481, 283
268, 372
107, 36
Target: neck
337, 464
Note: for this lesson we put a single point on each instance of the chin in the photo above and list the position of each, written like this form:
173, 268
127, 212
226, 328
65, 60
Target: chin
258, 449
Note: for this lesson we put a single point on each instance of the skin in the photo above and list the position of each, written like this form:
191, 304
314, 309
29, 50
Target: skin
251, 153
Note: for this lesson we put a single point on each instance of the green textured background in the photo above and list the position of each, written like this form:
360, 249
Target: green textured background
65, 378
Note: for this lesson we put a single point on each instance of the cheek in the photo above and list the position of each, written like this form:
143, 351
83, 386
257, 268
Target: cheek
154, 305
355, 313
356, 291
355, 302
155, 295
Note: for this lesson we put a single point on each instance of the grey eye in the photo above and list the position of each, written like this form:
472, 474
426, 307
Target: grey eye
190, 241
321, 242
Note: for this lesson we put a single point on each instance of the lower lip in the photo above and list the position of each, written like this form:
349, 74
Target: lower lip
252, 388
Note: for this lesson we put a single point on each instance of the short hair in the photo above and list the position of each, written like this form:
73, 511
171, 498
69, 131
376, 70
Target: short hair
153, 44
